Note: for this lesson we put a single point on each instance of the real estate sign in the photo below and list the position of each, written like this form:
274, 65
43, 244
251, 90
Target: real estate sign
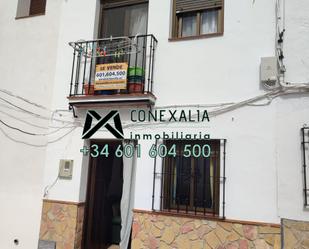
111, 76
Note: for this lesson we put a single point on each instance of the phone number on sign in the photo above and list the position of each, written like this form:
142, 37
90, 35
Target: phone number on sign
161, 150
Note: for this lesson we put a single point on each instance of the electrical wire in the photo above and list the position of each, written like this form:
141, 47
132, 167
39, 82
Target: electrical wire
193, 106
248, 102
23, 99
223, 107
34, 114
20, 108
24, 121
17, 129
49, 187
36, 145
29, 102
29, 123
297, 85
34, 134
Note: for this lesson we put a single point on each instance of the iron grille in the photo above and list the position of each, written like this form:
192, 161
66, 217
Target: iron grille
305, 149
190, 185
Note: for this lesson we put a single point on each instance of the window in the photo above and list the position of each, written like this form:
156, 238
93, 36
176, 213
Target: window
26, 8
192, 184
124, 18
194, 18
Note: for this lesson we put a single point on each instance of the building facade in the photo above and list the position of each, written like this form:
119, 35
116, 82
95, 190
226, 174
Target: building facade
154, 124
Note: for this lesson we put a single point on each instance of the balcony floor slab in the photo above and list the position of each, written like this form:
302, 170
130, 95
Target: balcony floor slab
101, 101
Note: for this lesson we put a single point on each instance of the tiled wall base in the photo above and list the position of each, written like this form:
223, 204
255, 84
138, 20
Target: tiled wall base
62, 222
153, 231
295, 234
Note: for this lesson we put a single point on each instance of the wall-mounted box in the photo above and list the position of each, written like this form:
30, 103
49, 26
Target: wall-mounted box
269, 72
65, 169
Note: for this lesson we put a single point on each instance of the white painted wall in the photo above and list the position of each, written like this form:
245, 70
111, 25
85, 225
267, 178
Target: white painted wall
263, 169
297, 37
78, 21
27, 67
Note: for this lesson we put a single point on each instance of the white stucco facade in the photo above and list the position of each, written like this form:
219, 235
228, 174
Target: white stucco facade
264, 157
27, 69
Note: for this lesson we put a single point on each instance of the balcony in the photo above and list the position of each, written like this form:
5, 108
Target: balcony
113, 71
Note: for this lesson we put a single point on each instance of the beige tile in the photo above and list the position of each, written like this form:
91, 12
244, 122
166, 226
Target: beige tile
114, 247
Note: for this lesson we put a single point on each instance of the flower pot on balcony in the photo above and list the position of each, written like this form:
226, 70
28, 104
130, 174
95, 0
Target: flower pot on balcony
136, 71
136, 88
88, 89
136, 80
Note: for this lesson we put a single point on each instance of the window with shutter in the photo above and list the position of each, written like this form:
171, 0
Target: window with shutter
28, 8
37, 7
196, 18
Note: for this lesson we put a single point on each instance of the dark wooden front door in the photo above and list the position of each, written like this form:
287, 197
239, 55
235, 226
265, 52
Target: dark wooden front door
102, 215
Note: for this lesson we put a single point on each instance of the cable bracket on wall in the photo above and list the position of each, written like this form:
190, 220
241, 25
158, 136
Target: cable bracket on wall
71, 107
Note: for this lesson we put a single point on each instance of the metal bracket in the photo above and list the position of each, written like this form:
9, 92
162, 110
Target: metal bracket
71, 107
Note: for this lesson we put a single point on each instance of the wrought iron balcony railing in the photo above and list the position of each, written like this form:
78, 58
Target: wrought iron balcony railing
113, 66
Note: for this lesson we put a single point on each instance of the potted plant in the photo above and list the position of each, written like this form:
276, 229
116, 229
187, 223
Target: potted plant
136, 80
88, 89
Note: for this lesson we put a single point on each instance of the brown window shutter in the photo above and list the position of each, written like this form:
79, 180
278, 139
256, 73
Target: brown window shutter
119, 3
37, 7
194, 5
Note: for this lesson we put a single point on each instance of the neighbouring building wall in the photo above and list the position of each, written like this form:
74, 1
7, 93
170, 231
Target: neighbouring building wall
28, 53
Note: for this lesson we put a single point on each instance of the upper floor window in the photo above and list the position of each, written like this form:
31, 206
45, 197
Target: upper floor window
26, 8
123, 18
195, 18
